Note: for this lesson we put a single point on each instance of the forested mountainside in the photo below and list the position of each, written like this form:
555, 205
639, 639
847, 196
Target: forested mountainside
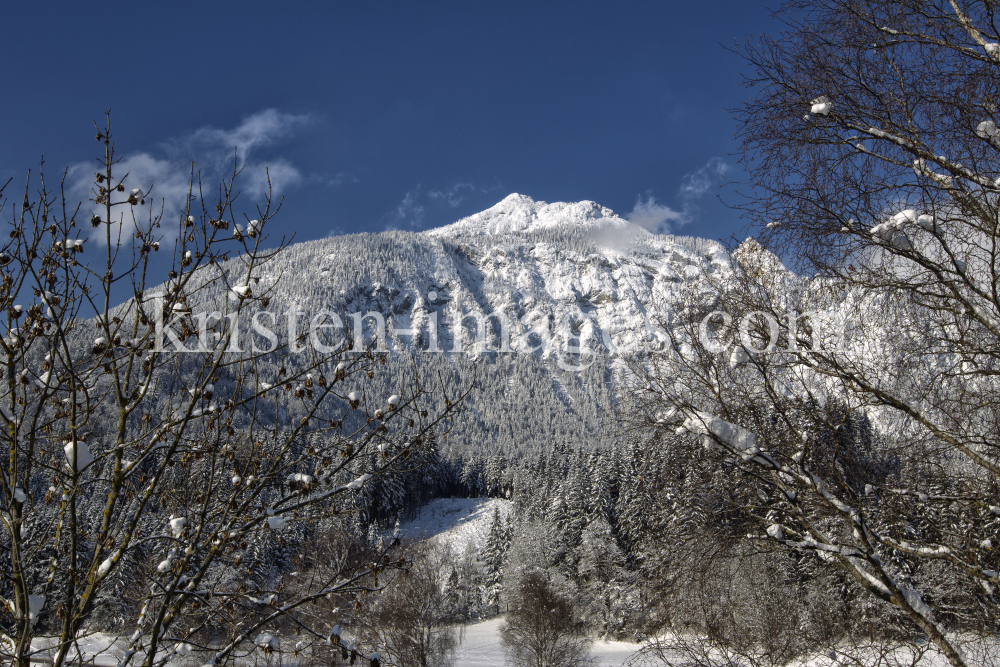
565, 276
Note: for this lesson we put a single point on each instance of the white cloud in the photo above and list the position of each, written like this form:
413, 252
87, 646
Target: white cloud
279, 175
661, 218
611, 236
654, 216
167, 178
260, 129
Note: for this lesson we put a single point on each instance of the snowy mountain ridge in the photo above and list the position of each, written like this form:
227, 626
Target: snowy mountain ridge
520, 213
562, 275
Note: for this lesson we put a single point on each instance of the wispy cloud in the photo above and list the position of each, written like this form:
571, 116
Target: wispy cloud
453, 196
414, 209
408, 214
660, 218
263, 128
341, 178
698, 183
166, 174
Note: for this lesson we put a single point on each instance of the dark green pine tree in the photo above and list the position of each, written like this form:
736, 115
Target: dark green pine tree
472, 476
632, 507
495, 468
601, 478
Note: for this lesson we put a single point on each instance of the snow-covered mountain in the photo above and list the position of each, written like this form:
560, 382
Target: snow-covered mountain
556, 272
520, 213
561, 278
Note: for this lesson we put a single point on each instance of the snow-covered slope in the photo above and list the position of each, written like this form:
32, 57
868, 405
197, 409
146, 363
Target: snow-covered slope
460, 523
555, 278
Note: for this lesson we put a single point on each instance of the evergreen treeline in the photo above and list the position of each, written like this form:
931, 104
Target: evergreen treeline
645, 536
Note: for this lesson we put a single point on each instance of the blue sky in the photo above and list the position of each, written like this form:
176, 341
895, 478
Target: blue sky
379, 115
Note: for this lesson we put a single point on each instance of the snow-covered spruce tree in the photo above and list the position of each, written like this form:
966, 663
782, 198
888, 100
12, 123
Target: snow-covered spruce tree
157, 469
874, 155
492, 557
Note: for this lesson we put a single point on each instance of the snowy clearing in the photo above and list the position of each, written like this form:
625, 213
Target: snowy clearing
460, 523
480, 647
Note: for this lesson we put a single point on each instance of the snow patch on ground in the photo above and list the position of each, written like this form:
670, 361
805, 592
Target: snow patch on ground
99, 648
461, 523
480, 647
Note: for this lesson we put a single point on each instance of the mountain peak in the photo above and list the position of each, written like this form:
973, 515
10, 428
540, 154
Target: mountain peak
520, 213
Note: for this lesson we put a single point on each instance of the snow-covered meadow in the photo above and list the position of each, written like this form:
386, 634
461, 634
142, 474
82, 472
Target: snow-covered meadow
462, 524
480, 647
459, 523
